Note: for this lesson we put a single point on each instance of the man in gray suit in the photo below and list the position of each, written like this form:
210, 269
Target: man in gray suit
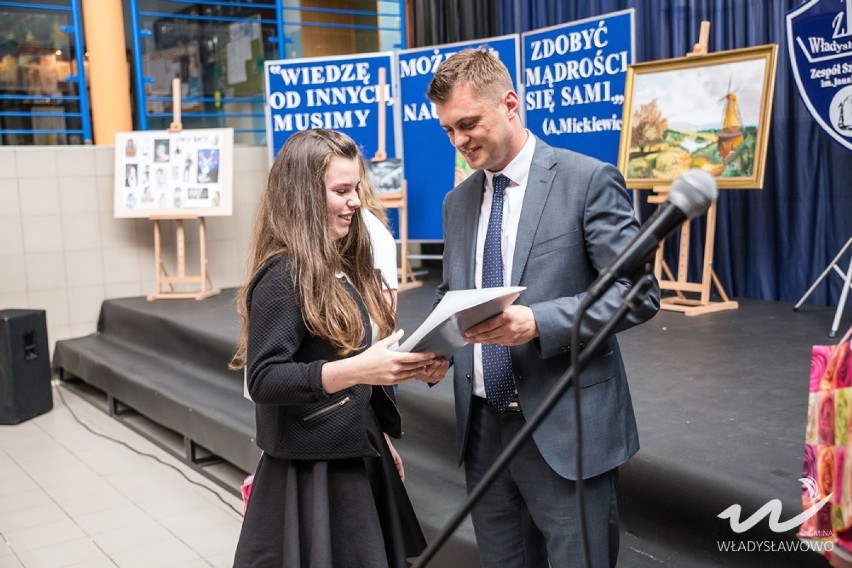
550, 220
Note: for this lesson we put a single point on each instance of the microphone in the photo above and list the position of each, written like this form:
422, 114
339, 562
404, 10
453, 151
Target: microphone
691, 194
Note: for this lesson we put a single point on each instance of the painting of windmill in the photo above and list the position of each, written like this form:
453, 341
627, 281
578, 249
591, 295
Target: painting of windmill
732, 134
707, 113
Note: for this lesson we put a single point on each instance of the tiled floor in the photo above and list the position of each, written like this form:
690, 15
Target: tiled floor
71, 498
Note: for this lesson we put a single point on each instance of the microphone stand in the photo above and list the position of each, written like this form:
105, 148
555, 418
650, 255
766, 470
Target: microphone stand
634, 296
630, 302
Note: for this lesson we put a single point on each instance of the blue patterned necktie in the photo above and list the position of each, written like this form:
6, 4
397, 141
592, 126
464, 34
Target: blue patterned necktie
496, 360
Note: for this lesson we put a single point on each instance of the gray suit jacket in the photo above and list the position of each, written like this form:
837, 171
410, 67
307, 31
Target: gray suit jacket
576, 217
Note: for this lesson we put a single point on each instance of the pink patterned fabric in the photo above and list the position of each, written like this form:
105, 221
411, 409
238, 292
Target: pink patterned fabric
245, 490
828, 445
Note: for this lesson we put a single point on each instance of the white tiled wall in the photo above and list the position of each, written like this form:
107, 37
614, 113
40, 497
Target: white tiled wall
62, 251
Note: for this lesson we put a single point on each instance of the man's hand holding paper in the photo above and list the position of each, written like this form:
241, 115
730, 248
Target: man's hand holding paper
515, 326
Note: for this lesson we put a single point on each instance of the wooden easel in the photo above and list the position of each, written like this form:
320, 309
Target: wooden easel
397, 200
162, 276
680, 302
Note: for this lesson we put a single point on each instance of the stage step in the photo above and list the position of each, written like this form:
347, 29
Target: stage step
201, 332
167, 361
720, 400
179, 388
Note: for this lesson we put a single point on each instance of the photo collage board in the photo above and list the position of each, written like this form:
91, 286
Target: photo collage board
163, 173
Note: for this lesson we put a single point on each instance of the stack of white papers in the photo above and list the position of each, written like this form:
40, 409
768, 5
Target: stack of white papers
458, 311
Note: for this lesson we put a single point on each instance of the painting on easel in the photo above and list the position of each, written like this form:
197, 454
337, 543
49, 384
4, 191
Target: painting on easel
387, 175
165, 173
710, 112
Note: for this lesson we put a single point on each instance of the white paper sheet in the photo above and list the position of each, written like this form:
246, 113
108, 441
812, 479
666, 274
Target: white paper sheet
458, 311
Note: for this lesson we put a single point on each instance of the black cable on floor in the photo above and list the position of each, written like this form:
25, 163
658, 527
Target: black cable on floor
144, 454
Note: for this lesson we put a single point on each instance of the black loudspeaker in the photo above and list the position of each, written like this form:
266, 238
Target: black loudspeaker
24, 366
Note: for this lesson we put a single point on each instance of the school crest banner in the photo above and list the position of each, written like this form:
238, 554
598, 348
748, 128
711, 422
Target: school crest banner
819, 43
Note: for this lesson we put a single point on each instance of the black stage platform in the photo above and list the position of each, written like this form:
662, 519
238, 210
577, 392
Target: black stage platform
720, 400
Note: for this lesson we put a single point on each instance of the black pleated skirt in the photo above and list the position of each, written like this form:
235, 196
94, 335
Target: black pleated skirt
352, 513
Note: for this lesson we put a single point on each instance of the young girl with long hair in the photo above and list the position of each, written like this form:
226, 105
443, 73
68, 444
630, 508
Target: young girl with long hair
328, 489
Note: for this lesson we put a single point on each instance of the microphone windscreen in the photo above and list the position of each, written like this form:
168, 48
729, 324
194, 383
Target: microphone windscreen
692, 192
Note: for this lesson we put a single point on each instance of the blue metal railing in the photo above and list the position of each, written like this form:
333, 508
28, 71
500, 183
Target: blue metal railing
72, 8
138, 70
142, 29
214, 105
80, 77
215, 108
201, 18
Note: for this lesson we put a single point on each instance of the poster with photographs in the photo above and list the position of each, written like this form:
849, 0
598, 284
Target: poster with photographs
165, 173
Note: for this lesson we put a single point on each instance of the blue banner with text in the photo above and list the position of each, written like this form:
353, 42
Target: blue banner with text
338, 93
819, 42
432, 165
574, 76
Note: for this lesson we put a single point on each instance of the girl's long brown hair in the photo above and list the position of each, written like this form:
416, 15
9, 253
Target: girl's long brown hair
292, 217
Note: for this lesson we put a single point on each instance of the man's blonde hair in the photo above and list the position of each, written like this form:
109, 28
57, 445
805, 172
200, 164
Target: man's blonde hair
478, 68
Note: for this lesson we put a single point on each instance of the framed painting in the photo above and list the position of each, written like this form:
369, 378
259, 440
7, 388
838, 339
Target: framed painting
710, 112
386, 174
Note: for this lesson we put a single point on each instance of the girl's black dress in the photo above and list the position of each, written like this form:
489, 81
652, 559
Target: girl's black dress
346, 512
351, 513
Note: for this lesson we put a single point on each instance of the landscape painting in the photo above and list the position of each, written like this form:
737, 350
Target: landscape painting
710, 112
